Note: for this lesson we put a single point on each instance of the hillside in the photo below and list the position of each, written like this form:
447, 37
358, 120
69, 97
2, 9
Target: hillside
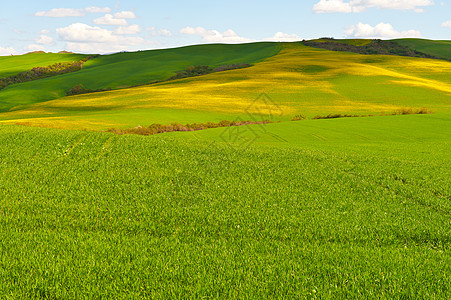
436, 48
128, 69
11, 65
298, 79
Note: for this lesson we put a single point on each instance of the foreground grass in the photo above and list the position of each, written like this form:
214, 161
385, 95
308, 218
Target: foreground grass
98, 215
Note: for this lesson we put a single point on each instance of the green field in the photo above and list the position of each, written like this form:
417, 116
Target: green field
348, 208
298, 79
436, 48
11, 65
128, 69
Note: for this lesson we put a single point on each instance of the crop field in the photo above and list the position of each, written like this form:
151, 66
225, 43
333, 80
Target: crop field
346, 208
362, 214
298, 79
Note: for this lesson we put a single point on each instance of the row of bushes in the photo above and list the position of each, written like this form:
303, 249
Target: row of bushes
412, 111
335, 116
44, 72
402, 111
374, 47
159, 128
203, 70
80, 89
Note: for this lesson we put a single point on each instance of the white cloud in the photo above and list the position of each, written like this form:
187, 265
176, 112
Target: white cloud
328, 6
79, 32
7, 51
95, 9
34, 47
110, 20
61, 13
381, 30
126, 45
159, 32
446, 24
214, 36
44, 40
71, 12
283, 37
339, 6
90, 39
125, 15
132, 29
44, 31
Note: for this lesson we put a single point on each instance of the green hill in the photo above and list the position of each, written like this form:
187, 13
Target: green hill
11, 65
435, 48
298, 79
126, 69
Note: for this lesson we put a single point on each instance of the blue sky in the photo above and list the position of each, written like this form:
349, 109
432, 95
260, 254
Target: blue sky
102, 26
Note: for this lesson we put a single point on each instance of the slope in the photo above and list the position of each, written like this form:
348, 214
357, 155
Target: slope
11, 65
436, 48
129, 69
298, 79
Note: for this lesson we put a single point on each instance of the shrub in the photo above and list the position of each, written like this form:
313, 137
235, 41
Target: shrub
159, 128
298, 117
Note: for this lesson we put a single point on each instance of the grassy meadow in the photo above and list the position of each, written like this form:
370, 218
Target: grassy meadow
364, 214
436, 48
348, 208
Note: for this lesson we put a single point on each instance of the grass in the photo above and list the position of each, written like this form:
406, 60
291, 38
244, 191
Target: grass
330, 209
362, 212
129, 69
12, 65
436, 48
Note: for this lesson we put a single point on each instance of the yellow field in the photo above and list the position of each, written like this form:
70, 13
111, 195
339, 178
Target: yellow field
298, 80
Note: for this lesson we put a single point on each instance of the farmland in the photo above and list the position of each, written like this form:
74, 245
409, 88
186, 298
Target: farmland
326, 208
309, 81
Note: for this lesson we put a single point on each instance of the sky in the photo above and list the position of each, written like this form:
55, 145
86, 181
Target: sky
106, 26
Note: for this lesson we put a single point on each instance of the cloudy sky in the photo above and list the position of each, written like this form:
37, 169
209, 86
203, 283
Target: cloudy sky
105, 26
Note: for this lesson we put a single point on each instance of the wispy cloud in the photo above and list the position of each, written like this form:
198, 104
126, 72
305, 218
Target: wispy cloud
159, 32
446, 24
283, 37
128, 30
355, 6
44, 40
214, 36
71, 12
110, 20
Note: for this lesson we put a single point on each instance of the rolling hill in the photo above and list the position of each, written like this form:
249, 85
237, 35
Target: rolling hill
436, 48
297, 80
128, 69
